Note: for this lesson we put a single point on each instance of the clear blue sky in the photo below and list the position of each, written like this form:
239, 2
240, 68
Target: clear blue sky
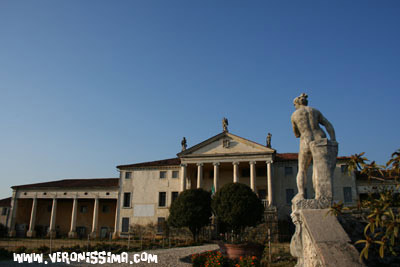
88, 85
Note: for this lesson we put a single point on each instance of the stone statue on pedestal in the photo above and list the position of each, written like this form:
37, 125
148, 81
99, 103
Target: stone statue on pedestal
316, 147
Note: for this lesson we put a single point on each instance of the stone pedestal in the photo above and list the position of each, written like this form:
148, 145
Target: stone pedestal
320, 240
72, 234
12, 233
31, 233
324, 153
93, 235
115, 235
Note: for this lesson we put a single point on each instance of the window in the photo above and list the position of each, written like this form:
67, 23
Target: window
175, 174
127, 200
344, 168
211, 174
289, 195
128, 175
305, 193
261, 172
288, 170
160, 224
174, 195
4, 211
105, 209
347, 194
83, 209
246, 172
125, 225
163, 174
162, 196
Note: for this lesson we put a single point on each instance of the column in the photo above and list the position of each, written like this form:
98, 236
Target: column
269, 180
95, 217
235, 172
199, 175
52, 229
14, 205
117, 212
72, 231
183, 177
253, 175
216, 175
31, 232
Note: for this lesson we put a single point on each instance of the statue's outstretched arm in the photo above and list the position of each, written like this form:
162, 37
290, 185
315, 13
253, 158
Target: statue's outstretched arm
328, 126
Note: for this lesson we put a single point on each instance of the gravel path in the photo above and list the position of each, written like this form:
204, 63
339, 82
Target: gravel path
166, 257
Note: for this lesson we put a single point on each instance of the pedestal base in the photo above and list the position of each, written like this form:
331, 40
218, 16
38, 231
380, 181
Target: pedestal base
115, 235
72, 234
12, 233
31, 233
93, 235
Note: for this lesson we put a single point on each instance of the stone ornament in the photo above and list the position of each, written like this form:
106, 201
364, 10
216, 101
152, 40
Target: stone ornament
226, 143
184, 144
269, 136
225, 124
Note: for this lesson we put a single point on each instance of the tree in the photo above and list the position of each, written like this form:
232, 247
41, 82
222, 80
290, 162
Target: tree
237, 206
191, 209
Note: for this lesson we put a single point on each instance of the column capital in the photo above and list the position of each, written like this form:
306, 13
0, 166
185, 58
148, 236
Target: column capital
235, 163
183, 164
216, 163
269, 161
252, 162
200, 164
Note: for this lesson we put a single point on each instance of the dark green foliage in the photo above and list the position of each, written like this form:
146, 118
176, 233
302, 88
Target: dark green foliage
5, 254
191, 209
237, 206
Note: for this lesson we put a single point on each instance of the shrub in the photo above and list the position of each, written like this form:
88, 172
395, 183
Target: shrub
191, 209
20, 249
237, 206
216, 259
5, 254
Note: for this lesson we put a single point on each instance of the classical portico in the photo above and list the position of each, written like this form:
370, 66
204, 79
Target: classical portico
74, 208
227, 158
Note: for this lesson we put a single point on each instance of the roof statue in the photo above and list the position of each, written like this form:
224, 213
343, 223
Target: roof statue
184, 144
225, 124
269, 136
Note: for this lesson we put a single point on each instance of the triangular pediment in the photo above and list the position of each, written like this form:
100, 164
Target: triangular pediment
226, 143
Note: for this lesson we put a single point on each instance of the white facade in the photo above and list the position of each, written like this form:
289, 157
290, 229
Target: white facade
222, 159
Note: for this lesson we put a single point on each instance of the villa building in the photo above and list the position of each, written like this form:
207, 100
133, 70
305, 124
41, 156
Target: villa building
144, 191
